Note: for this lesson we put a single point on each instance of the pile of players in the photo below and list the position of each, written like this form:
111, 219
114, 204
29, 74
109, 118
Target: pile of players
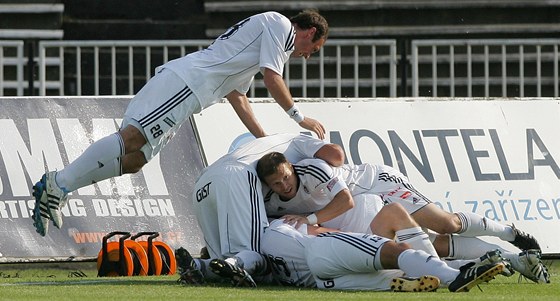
339, 226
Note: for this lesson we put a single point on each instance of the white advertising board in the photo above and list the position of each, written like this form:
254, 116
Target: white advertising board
39, 134
497, 158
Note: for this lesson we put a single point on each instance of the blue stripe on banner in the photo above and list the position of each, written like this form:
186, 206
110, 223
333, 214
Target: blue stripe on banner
166, 107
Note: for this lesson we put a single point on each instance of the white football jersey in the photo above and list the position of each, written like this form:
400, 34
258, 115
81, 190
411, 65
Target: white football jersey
319, 183
294, 146
264, 40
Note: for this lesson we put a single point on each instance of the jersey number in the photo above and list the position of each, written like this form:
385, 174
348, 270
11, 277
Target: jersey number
156, 131
233, 29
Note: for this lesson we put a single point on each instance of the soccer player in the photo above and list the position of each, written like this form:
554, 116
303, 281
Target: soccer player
328, 259
184, 86
325, 195
227, 196
355, 261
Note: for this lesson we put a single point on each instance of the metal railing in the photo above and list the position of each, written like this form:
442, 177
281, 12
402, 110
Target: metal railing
353, 68
485, 68
11, 68
343, 68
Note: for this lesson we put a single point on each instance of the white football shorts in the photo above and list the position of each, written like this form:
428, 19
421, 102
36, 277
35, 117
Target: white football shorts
393, 187
349, 261
159, 109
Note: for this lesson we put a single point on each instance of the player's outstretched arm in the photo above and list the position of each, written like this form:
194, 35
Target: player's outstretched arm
331, 153
280, 92
243, 109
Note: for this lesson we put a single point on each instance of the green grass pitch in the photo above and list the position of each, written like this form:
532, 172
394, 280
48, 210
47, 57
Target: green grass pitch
80, 282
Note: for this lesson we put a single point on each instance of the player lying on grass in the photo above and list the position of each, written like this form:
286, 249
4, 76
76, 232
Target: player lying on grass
318, 257
181, 87
313, 192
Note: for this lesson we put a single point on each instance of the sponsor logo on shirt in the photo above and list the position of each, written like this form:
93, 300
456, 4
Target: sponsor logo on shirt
331, 184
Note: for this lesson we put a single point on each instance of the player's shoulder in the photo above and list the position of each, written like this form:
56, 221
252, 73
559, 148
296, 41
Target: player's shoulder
310, 162
272, 16
274, 21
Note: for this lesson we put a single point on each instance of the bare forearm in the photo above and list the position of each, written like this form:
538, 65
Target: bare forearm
243, 109
341, 203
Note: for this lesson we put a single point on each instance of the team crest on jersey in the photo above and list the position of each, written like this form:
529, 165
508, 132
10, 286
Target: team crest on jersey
331, 184
305, 189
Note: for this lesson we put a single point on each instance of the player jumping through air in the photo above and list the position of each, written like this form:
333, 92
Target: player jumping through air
184, 86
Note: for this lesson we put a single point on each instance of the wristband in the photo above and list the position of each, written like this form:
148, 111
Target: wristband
312, 219
295, 114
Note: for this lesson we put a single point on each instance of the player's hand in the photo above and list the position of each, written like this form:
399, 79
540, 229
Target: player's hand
313, 125
295, 220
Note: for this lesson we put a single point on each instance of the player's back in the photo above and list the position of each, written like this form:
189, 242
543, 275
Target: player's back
294, 146
359, 178
232, 60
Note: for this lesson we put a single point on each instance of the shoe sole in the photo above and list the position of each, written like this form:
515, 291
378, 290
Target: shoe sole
38, 192
484, 277
422, 284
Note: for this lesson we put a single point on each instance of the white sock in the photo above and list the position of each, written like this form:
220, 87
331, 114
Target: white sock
458, 263
98, 162
474, 225
252, 262
416, 263
417, 239
461, 247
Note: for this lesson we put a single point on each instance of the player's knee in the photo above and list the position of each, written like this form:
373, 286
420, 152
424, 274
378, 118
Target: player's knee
390, 254
133, 138
402, 246
451, 224
133, 163
399, 215
395, 209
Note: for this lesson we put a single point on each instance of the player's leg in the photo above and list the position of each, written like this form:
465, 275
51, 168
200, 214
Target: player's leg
459, 248
361, 266
393, 221
416, 263
394, 187
241, 268
242, 216
375, 281
102, 159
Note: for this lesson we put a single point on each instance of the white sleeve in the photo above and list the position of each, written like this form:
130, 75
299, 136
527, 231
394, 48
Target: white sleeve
319, 175
275, 37
303, 147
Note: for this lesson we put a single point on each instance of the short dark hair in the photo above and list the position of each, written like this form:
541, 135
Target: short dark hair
311, 18
268, 164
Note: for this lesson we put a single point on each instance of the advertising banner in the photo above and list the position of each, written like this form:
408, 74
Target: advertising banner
497, 158
40, 134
